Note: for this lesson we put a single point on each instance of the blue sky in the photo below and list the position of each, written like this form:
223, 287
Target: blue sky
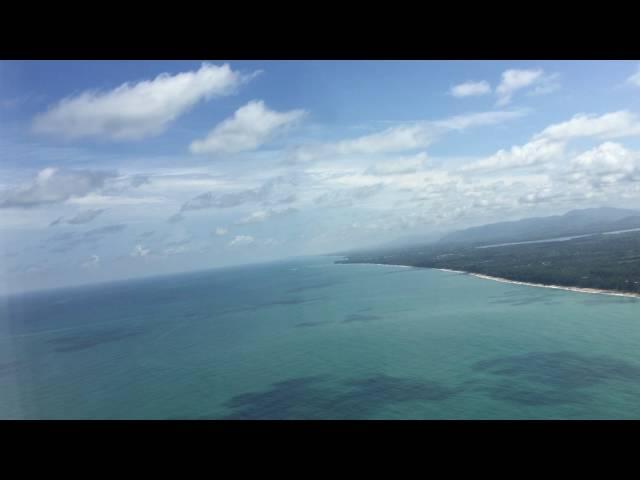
118, 169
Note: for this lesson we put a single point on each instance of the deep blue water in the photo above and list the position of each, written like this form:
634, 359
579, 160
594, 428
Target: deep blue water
310, 339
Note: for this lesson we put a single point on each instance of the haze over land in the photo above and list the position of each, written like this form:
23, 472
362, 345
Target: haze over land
112, 170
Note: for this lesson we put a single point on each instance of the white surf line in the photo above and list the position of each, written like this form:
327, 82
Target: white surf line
390, 265
377, 264
448, 270
541, 285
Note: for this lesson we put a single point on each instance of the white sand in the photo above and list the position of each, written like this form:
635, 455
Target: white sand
557, 287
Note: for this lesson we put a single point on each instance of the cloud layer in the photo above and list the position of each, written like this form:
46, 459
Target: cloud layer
53, 185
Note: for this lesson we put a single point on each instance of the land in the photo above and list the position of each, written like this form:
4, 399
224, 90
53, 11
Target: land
599, 262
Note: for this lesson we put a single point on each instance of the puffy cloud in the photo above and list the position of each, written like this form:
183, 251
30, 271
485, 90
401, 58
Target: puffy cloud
135, 111
241, 240
85, 216
469, 89
221, 231
608, 126
250, 127
393, 139
530, 154
514, 80
607, 164
53, 185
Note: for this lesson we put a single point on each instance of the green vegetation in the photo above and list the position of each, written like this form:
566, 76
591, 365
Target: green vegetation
610, 262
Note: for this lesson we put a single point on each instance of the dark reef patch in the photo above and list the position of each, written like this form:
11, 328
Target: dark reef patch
507, 392
311, 324
313, 286
546, 378
390, 389
313, 398
74, 343
258, 306
358, 317
521, 298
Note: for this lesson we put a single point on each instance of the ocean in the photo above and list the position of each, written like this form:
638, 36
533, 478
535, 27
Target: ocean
310, 339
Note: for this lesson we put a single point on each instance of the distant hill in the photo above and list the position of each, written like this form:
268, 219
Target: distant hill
575, 222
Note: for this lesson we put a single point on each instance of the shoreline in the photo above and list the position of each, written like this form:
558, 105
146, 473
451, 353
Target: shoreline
596, 291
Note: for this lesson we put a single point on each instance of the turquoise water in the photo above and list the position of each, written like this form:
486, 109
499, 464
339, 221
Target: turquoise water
310, 339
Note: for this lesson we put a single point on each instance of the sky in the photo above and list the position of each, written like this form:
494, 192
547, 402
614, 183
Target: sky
122, 169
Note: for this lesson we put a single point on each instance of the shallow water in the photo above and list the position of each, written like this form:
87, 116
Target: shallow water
309, 339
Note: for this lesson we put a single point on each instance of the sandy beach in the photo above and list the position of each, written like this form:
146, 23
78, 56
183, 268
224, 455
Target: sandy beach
541, 285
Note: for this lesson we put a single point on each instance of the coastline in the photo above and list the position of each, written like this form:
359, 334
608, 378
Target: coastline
596, 291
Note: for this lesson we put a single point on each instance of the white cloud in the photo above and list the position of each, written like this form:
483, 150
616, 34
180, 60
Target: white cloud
255, 217
480, 119
176, 249
135, 111
274, 191
547, 84
608, 126
514, 80
53, 185
469, 89
402, 138
95, 199
140, 251
241, 240
399, 166
544, 195
221, 231
348, 197
250, 127
263, 215
607, 164
530, 154
393, 139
